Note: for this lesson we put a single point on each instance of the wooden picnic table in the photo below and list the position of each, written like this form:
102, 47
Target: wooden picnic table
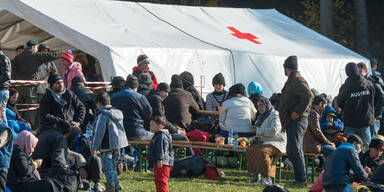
211, 113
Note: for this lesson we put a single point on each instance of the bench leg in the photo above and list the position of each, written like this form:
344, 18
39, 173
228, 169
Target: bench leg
139, 152
313, 170
241, 160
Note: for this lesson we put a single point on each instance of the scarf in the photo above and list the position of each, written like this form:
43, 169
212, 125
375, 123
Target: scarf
261, 117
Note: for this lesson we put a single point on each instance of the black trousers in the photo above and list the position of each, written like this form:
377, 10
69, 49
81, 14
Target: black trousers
3, 180
94, 168
36, 185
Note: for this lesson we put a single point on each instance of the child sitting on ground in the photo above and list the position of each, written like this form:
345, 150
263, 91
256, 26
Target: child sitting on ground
160, 153
332, 127
109, 137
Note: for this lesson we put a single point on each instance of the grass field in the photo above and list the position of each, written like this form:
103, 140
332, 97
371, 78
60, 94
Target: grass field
235, 180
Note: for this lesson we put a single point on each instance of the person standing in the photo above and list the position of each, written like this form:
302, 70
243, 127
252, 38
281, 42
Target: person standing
142, 67
295, 103
356, 98
5, 77
70, 69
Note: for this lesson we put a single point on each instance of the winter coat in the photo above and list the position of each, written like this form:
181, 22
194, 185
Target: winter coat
43, 76
237, 113
156, 103
71, 72
6, 151
189, 85
314, 137
379, 95
28, 62
178, 107
337, 123
378, 175
160, 148
340, 162
21, 168
52, 111
212, 103
136, 111
16, 125
270, 132
136, 72
296, 96
86, 96
356, 98
6, 70
109, 130
371, 163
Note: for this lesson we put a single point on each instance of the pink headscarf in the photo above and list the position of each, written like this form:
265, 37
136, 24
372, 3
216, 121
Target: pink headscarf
26, 140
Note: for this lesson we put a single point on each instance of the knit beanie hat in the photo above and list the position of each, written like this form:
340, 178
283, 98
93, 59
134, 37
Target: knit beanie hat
291, 63
218, 79
352, 70
377, 142
176, 82
53, 78
255, 88
132, 81
68, 56
142, 59
163, 87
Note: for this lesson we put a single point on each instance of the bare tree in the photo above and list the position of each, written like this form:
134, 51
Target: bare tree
361, 26
326, 18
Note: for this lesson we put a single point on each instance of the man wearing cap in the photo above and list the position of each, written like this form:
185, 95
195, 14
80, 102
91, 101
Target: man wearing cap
356, 98
5, 77
295, 104
373, 158
60, 104
25, 67
71, 69
142, 67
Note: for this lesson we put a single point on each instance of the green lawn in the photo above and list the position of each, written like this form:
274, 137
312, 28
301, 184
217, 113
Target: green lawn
236, 180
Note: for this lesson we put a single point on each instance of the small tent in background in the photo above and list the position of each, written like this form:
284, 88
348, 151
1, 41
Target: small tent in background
244, 44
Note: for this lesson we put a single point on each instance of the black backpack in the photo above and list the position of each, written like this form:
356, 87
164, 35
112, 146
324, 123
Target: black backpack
191, 166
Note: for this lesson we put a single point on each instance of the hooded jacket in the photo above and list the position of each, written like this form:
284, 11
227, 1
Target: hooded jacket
71, 72
356, 98
136, 72
5, 73
339, 163
160, 148
379, 95
337, 123
296, 96
109, 130
189, 85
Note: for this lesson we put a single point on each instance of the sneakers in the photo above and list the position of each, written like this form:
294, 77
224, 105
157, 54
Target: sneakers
266, 181
98, 188
256, 178
298, 184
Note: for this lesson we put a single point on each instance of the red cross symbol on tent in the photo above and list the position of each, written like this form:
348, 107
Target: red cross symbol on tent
246, 36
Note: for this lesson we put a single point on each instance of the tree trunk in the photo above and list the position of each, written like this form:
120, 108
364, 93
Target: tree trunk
326, 18
361, 26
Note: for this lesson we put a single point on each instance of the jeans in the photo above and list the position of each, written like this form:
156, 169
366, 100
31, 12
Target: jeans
110, 160
375, 128
364, 133
4, 96
295, 135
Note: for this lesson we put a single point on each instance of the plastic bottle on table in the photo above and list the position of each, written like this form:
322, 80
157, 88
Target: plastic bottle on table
230, 137
236, 141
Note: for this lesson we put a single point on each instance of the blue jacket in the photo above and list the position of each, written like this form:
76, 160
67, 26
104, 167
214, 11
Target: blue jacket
136, 111
160, 148
6, 151
340, 162
337, 123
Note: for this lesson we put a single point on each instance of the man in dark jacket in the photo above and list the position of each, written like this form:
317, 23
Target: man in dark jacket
378, 97
24, 67
339, 163
136, 109
59, 104
5, 77
295, 103
179, 104
86, 96
378, 175
356, 98
373, 158
189, 85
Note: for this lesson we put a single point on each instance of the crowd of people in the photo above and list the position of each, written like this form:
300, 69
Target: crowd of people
48, 150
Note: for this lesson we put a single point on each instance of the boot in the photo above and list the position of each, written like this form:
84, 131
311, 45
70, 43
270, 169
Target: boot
110, 188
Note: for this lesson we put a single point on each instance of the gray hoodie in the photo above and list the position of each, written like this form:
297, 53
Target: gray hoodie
109, 130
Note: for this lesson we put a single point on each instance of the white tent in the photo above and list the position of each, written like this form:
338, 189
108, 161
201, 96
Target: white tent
244, 44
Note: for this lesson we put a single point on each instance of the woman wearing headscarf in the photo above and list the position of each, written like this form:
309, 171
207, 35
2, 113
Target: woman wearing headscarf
22, 174
237, 113
15, 121
268, 144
